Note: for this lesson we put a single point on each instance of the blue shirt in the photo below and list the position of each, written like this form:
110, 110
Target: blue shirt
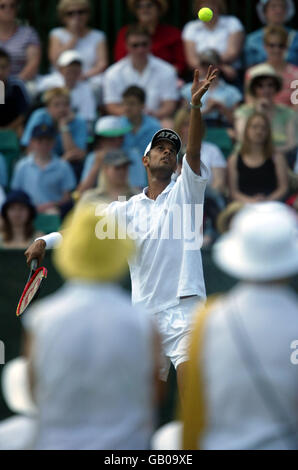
254, 51
3, 171
134, 146
78, 130
48, 184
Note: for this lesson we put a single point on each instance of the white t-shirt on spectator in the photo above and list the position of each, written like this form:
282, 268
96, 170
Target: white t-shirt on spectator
82, 98
159, 81
216, 38
86, 46
212, 157
168, 263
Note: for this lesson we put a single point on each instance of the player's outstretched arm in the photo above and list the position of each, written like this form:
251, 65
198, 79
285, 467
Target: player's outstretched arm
38, 248
195, 136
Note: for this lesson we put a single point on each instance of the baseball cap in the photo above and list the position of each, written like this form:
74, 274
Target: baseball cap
68, 57
116, 158
111, 126
165, 134
43, 130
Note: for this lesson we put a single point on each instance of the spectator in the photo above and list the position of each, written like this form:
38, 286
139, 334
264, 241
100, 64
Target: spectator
263, 85
76, 34
68, 75
242, 382
71, 136
45, 177
271, 13
276, 39
16, 101
18, 214
222, 100
166, 41
140, 68
257, 172
96, 388
109, 135
20, 42
223, 33
3, 172
143, 129
113, 181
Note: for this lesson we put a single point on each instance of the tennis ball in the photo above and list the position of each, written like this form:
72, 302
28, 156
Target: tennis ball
205, 14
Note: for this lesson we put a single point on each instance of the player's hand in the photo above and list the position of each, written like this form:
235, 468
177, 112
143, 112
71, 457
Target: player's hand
36, 251
199, 89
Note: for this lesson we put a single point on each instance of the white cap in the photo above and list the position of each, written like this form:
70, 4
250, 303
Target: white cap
262, 244
290, 10
68, 57
111, 126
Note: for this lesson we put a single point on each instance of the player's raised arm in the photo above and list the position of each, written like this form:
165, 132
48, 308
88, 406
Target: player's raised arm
193, 150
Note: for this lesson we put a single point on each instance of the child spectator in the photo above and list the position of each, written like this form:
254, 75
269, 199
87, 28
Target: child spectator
143, 129
257, 173
45, 177
16, 101
140, 68
20, 42
68, 75
166, 41
271, 13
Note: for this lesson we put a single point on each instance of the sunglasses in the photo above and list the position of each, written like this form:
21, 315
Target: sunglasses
276, 46
72, 13
266, 85
8, 6
138, 45
147, 6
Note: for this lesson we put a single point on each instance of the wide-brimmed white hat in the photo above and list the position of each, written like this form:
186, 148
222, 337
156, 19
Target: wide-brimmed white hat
261, 13
262, 244
15, 387
69, 57
111, 126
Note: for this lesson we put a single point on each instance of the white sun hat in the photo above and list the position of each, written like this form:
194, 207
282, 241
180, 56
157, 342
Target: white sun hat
290, 10
15, 387
111, 126
69, 57
262, 244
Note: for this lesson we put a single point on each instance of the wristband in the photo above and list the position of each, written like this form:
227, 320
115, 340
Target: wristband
51, 240
195, 106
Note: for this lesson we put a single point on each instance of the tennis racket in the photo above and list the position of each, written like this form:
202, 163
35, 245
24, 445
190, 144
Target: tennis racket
32, 287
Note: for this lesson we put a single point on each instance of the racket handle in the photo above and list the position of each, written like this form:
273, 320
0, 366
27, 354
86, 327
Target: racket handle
34, 264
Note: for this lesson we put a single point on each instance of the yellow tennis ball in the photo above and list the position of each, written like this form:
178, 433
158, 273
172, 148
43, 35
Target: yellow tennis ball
205, 14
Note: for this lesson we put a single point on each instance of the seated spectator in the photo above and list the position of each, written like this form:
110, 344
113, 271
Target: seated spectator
225, 34
47, 178
276, 39
257, 173
140, 68
222, 98
68, 75
20, 42
16, 100
76, 34
113, 181
18, 214
71, 136
271, 13
263, 85
143, 129
166, 41
109, 135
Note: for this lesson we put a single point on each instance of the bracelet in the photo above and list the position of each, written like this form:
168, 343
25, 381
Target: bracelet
195, 106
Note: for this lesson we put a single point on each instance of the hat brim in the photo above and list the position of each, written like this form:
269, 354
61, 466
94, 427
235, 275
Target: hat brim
290, 11
230, 255
114, 132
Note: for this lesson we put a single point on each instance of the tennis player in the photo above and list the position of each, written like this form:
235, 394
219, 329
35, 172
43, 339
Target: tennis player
166, 220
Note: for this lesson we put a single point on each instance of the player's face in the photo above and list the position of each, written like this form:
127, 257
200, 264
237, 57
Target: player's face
133, 108
18, 214
162, 159
59, 107
275, 12
257, 131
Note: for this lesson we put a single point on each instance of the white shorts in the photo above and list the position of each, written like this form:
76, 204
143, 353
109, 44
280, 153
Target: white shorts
174, 326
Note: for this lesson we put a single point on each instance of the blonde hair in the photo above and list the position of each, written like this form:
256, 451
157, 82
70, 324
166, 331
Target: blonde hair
279, 31
268, 148
198, 4
181, 116
64, 5
49, 95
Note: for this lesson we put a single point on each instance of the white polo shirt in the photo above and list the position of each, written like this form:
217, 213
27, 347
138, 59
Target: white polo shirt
168, 233
159, 81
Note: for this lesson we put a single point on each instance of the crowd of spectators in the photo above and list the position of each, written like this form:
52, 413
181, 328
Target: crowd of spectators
82, 128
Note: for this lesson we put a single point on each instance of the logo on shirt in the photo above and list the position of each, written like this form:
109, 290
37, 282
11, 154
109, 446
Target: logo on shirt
294, 95
2, 92
2, 353
294, 355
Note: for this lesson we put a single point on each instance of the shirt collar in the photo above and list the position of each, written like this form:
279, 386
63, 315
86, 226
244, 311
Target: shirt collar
165, 191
